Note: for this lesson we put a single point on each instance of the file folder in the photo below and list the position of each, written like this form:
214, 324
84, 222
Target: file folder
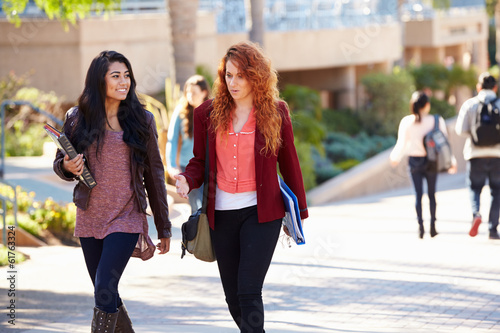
65, 145
292, 219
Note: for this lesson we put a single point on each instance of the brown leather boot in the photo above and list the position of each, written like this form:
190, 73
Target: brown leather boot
123, 323
104, 322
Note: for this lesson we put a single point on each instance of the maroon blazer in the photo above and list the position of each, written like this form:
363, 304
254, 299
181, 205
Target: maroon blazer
270, 205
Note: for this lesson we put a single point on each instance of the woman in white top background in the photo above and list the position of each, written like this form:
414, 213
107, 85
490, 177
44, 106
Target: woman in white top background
411, 132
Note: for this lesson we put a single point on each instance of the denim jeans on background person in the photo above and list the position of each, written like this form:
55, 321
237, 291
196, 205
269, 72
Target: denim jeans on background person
420, 168
106, 260
478, 171
195, 197
244, 249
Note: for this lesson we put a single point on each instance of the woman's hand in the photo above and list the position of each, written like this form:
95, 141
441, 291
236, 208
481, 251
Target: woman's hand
182, 186
452, 170
394, 163
75, 166
164, 245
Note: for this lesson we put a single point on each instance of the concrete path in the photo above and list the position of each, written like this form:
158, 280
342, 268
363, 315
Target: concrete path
363, 269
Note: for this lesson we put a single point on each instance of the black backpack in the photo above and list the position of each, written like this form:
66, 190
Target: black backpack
437, 147
485, 131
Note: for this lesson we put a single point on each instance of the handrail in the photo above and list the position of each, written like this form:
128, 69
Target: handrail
4, 200
2, 115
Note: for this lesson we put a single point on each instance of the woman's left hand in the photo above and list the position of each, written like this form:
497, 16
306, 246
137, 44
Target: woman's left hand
452, 170
164, 245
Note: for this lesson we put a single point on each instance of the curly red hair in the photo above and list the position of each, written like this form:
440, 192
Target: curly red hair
256, 68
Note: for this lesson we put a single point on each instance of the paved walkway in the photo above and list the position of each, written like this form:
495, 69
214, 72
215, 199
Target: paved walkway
363, 269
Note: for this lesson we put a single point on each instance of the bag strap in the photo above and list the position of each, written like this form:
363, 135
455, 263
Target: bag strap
436, 122
205, 181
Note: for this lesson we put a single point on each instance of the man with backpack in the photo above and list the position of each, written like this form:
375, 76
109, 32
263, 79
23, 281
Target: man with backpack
479, 121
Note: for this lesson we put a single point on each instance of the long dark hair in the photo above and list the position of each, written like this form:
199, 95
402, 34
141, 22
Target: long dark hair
91, 122
187, 109
418, 101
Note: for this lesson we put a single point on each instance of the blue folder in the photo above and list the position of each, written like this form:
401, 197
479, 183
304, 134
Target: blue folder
292, 213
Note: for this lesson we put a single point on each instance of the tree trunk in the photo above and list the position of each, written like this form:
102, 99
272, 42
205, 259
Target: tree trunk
183, 16
256, 33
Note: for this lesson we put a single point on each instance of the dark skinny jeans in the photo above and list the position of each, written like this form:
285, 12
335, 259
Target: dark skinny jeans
420, 168
480, 170
106, 260
244, 249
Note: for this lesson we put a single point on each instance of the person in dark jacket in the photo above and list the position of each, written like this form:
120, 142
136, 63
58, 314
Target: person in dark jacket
117, 140
249, 134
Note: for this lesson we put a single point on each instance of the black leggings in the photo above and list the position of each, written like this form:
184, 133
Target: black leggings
420, 168
106, 260
244, 249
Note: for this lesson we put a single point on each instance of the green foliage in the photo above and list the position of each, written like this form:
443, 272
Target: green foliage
11, 83
58, 219
24, 199
37, 216
4, 256
442, 108
344, 120
25, 139
432, 76
441, 4
304, 152
494, 71
490, 7
438, 77
492, 44
205, 72
308, 129
389, 95
458, 76
347, 164
64, 11
26, 223
340, 147
323, 167
300, 98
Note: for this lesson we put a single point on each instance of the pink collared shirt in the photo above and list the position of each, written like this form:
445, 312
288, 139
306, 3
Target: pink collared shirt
236, 158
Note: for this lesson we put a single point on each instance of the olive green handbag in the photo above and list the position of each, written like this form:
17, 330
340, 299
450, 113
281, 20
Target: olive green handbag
196, 237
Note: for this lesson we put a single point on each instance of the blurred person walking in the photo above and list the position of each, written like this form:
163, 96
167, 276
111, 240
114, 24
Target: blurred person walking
119, 141
410, 142
483, 161
249, 133
179, 149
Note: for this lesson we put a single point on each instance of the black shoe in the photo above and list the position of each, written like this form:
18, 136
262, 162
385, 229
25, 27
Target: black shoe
421, 231
494, 234
434, 233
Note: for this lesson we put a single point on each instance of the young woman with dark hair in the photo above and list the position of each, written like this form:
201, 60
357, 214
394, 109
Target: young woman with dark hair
412, 130
249, 134
119, 141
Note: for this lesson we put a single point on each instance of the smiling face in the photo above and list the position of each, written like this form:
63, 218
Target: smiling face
237, 84
117, 82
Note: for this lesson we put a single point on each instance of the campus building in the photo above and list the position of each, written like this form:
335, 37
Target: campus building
327, 45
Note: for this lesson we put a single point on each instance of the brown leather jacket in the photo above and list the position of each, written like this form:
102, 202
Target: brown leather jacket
152, 181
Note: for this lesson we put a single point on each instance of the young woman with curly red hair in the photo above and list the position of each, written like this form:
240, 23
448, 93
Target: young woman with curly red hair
249, 134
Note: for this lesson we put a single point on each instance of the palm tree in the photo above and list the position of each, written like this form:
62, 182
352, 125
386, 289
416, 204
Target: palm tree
256, 10
183, 16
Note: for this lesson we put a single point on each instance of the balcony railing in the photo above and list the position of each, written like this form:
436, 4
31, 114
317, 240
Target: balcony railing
423, 10
282, 15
